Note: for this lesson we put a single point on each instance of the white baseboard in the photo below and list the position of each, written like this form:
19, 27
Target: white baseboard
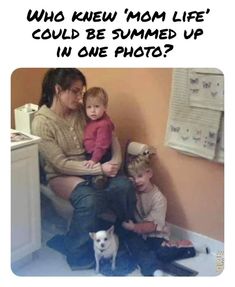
215, 246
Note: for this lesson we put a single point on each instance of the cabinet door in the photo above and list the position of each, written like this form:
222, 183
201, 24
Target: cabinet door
25, 202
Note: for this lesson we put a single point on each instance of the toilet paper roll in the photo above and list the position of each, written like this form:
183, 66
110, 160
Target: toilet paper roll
135, 148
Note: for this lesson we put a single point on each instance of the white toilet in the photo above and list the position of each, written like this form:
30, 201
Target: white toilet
62, 207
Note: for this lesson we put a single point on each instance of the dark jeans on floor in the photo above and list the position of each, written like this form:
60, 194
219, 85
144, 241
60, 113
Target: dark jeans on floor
169, 254
89, 205
144, 257
149, 254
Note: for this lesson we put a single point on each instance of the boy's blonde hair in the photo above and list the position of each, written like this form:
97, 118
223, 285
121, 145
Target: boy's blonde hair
138, 164
96, 92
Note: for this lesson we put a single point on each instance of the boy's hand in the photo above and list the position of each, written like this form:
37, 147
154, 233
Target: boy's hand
130, 225
89, 163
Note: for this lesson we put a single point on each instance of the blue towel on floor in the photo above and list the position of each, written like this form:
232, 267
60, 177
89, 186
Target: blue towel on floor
57, 243
125, 264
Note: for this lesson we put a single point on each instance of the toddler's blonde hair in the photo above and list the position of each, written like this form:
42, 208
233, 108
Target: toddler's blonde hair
96, 92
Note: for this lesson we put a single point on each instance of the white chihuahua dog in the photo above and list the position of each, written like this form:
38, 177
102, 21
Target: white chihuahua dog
105, 246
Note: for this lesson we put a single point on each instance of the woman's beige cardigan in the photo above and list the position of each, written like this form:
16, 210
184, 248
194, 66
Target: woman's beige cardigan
62, 144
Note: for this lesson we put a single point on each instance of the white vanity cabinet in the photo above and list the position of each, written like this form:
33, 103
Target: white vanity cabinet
25, 198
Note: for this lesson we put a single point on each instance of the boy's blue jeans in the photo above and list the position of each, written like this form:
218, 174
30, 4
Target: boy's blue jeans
89, 205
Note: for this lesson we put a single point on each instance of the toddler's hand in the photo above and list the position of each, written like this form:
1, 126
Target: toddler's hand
89, 163
130, 225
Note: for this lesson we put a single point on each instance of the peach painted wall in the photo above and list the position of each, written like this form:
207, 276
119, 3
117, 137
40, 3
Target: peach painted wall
25, 88
139, 100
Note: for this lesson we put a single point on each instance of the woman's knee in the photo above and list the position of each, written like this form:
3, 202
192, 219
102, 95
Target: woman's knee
122, 184
83, 196
122, 189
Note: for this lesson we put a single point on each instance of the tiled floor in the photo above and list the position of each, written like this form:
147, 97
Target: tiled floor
47, 262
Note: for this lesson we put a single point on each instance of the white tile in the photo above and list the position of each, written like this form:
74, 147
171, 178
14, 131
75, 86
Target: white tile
205, 264
47, 262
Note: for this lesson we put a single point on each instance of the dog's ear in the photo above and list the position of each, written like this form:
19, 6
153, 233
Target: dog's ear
111, 230
92, 235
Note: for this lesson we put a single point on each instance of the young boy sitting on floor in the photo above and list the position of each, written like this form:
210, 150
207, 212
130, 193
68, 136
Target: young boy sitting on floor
151, 210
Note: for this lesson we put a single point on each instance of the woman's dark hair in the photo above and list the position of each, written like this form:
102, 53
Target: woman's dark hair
64, 77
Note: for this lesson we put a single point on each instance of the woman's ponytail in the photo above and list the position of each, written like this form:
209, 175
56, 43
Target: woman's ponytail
48, 88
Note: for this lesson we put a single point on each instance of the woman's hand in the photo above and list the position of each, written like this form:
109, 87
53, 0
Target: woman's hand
89, 163
110, 169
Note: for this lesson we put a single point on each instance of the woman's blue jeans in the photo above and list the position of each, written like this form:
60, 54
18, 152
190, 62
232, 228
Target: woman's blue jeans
90, 203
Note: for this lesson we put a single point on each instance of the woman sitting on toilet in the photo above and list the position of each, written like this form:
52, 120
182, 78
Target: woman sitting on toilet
60, 122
